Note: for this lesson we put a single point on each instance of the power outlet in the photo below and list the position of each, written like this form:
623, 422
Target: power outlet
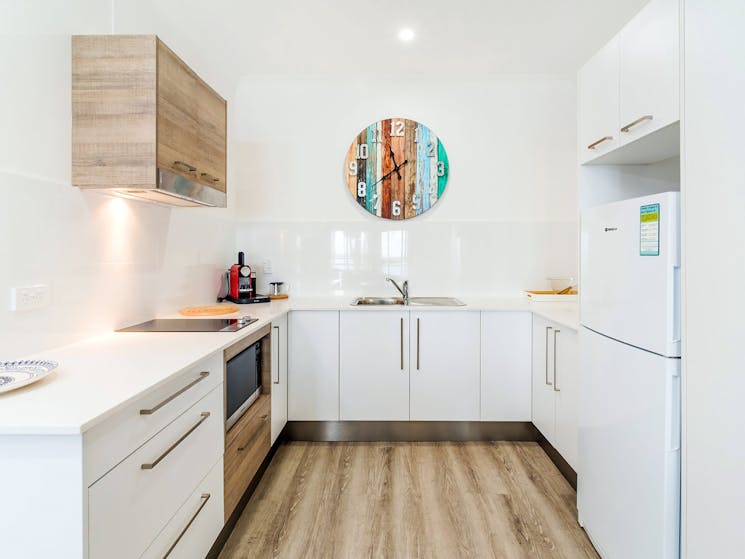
267, 266
29, 298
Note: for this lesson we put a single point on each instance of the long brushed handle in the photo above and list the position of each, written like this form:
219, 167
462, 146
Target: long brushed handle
417, 344
203, 375
184, 164
151, 465
263, 419
547, 329
596, 143
402, 343
278, 357
205, 497
556, 381
639, 120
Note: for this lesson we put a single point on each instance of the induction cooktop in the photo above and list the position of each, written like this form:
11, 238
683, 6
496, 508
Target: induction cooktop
191, 325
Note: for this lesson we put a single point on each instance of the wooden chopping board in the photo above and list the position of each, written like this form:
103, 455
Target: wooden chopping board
209, 310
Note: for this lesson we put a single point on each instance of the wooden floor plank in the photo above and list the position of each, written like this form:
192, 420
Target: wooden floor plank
502, 500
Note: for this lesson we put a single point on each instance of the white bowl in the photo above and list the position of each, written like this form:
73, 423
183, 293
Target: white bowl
558, 283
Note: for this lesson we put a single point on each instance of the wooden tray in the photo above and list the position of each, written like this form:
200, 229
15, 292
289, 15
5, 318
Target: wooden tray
209, 310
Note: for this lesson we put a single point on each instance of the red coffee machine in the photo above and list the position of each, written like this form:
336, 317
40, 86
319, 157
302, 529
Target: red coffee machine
240, 284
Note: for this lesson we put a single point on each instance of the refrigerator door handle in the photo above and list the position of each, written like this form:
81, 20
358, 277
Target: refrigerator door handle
547, 330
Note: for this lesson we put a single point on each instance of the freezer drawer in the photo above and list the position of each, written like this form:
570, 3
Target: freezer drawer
629, 449
630, 272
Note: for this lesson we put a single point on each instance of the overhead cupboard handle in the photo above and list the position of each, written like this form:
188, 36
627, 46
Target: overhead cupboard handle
203, 375
639, 120
596, 143
548, 328
184, 165
204, 498
150, 465
556, 382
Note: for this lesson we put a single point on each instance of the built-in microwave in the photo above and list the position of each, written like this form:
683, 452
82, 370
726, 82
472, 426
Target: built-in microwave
242, 382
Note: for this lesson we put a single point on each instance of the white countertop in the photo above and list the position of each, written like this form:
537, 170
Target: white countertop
98, 376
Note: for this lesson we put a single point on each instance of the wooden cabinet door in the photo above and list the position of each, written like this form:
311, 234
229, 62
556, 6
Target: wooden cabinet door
373, 366
649, 70
211, 120
313, 375
178, 146
506, 366
566, 387
543, 390
598, 103
445, 365
279, 376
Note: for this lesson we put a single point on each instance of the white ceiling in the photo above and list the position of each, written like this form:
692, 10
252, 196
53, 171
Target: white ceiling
352, 36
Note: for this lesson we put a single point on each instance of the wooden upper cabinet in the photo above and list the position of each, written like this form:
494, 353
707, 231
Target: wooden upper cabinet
143, 121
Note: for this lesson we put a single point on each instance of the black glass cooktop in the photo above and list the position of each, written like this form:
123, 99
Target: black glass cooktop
191, 325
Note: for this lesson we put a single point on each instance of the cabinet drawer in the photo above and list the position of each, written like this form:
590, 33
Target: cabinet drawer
116, 438
131, 504
247, 444
196, 525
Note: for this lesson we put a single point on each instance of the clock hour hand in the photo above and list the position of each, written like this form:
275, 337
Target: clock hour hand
395, 170
396, 166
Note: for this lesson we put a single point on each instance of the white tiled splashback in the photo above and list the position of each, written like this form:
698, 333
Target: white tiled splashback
466, 258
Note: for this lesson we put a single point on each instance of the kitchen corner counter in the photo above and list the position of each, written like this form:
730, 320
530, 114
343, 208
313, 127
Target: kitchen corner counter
99, 376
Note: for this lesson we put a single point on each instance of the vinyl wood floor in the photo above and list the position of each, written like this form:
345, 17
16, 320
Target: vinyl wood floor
390, 500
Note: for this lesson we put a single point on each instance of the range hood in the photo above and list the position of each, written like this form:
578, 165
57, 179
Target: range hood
175, 190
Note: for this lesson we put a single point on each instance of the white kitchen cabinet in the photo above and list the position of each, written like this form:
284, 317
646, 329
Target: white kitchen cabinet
445, 365
555, 386
598, 103
313, 366
374, 365
544, 401
566, 386
649, 84
279, 376
506, 366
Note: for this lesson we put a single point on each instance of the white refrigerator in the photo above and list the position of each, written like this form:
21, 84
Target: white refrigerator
628, 492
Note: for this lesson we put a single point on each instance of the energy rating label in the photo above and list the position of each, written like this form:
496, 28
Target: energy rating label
649, 230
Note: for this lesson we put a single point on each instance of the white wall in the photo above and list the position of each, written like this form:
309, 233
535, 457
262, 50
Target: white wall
507, 219
713, 196
108, 261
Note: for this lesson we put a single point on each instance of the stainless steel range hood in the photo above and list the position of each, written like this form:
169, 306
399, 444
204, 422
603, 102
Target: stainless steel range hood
175, 190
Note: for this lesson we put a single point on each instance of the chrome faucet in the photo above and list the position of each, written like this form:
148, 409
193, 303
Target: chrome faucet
403, 291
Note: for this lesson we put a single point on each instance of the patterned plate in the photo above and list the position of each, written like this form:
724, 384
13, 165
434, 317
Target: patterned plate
14, 374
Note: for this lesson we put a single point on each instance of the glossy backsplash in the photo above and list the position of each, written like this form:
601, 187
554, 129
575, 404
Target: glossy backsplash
470, 258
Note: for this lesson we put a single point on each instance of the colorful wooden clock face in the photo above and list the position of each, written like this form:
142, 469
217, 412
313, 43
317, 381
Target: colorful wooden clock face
396, 168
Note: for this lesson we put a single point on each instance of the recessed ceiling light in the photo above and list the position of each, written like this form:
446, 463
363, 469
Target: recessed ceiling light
406, 34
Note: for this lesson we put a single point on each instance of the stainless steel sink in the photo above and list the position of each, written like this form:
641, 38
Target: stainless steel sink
378, 301
413, 301
435, 302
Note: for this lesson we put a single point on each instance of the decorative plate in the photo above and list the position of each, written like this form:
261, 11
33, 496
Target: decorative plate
396, 168
14, 374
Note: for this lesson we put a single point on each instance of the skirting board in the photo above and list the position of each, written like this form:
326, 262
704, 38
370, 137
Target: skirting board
410, 431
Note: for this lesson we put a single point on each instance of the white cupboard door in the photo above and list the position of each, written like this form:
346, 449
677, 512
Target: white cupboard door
598, 103
566, 387
279, 376
373, 365
506, 366
445, 363
313, 362
649, 70
543, 390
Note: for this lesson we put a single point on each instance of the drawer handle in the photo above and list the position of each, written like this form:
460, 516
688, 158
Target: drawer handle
203, 375
209, 177
639, 120
205, 497
263, 419
596, 143
184, 165
151, 465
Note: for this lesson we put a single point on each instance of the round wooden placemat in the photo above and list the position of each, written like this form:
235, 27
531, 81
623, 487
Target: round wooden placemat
280, 296
209, 310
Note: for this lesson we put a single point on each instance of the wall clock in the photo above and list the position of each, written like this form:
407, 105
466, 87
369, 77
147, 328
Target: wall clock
396, 168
